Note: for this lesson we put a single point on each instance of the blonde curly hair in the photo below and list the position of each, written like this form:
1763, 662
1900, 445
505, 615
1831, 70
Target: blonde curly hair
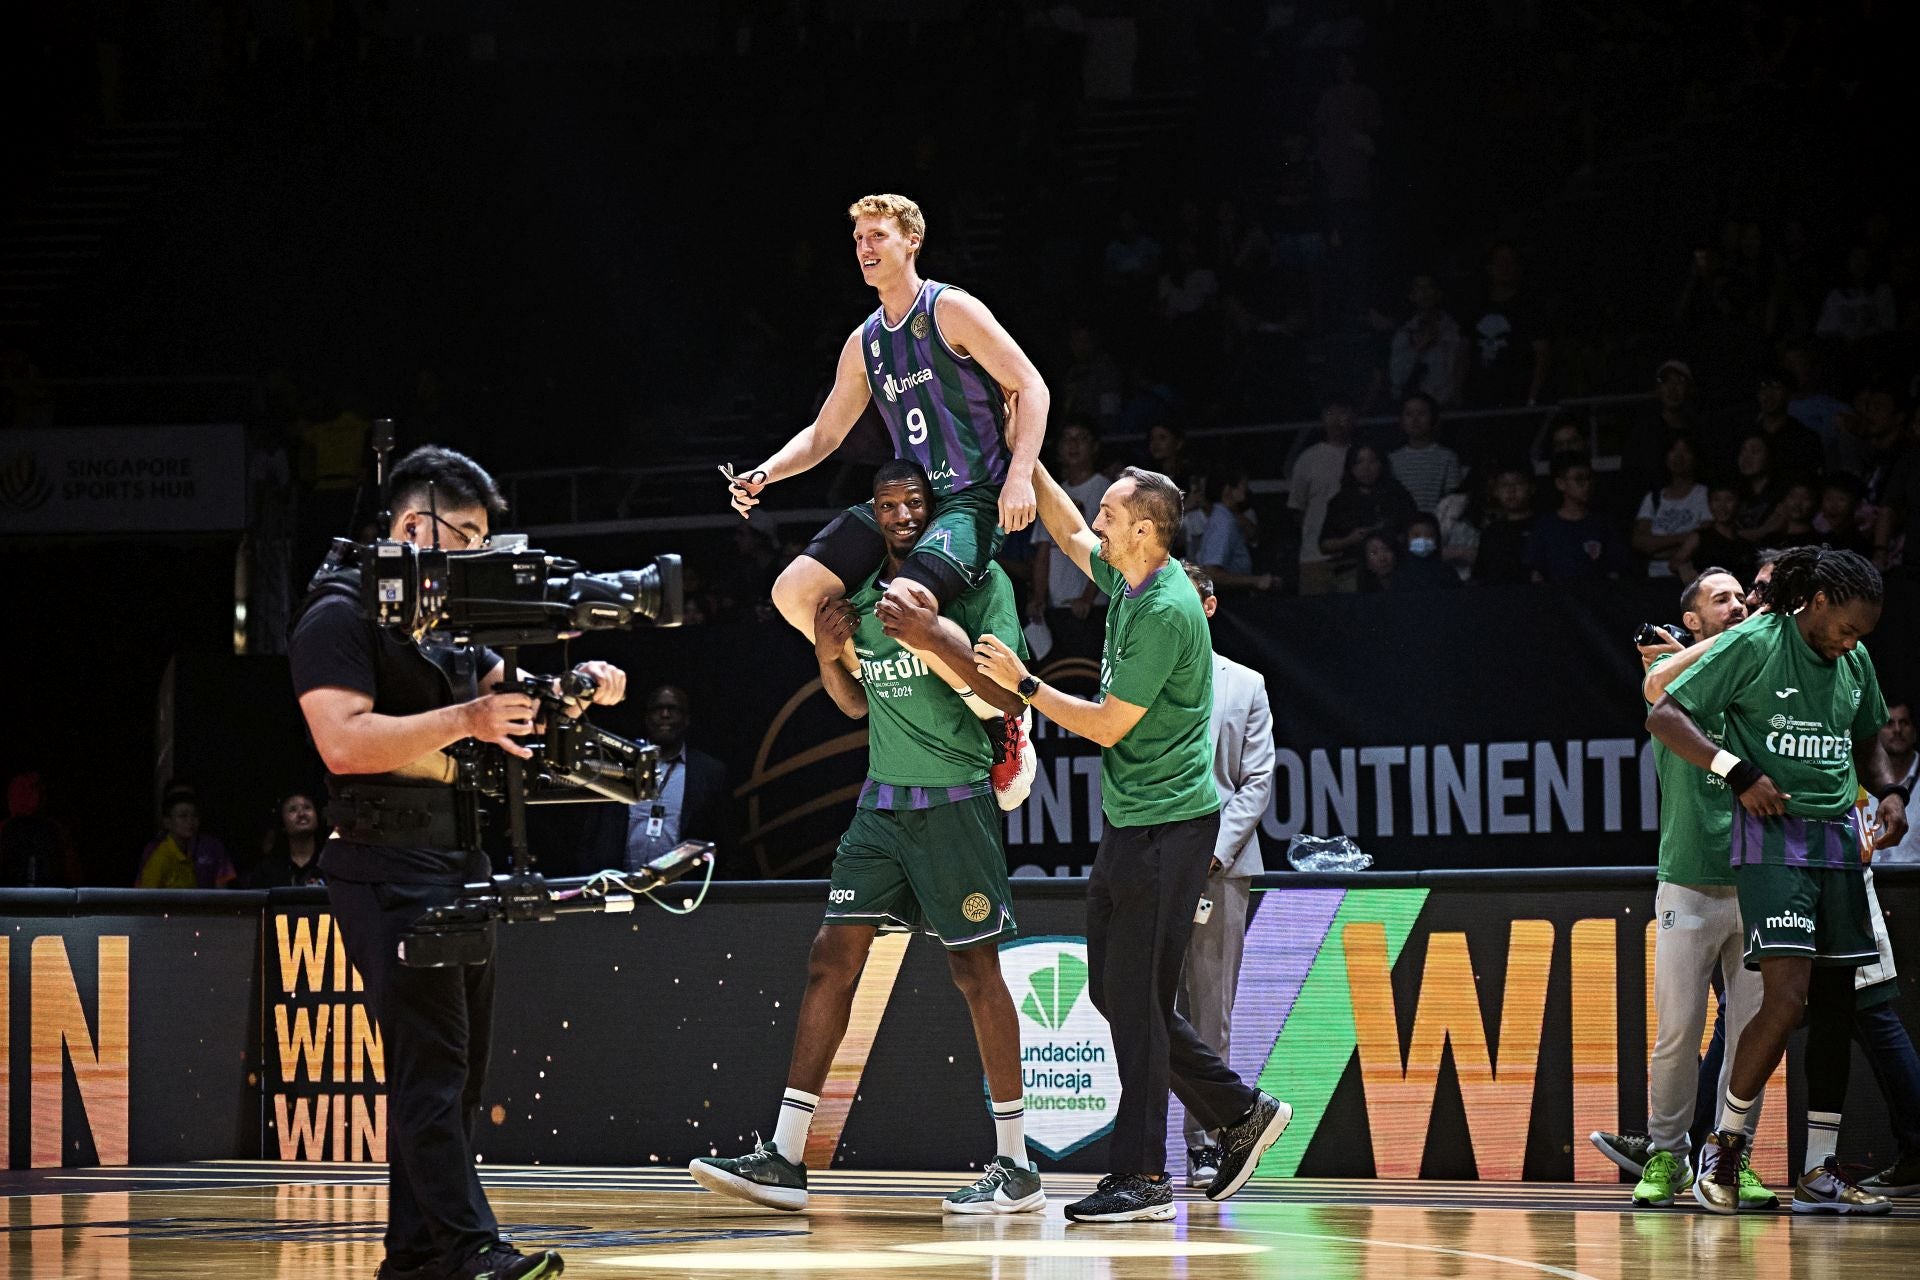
899, 208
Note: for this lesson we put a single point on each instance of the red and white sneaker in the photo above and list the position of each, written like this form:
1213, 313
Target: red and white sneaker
1013, 762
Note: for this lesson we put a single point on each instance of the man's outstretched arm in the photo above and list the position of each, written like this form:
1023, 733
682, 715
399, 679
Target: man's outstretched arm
1065, 525
813, 443
968, 326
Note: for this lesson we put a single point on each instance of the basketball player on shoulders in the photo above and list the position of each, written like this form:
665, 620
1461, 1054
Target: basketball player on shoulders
959, 397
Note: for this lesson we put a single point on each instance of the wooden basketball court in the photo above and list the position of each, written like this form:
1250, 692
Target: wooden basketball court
234, 1218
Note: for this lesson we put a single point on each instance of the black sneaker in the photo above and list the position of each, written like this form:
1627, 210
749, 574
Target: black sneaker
1243, 1142
1630, 1151
1901, 1178
392, 1268
1125, 1197
501, 1261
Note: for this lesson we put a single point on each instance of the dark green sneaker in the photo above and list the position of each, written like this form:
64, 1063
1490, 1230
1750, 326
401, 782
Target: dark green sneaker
763, 1176
1663, 1176
1005, 1187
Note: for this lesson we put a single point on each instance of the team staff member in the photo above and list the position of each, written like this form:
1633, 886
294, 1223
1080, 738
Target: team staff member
1242, 733
382, 710
1803, 713
1162, 822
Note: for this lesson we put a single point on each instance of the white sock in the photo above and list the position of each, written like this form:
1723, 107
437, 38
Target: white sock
796, 1117
1010, 1130
1823, 1137
1734, 1116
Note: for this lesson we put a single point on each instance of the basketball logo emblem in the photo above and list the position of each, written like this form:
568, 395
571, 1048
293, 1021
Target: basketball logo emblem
919, 325
976, 908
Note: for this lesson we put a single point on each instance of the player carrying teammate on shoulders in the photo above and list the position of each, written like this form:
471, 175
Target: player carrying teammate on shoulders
960, 398
924, 850
1803, 710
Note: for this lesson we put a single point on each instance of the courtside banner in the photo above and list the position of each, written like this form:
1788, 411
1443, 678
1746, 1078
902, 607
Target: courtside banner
127, 1037
123, 480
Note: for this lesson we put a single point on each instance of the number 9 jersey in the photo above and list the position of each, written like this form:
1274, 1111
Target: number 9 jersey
941, 408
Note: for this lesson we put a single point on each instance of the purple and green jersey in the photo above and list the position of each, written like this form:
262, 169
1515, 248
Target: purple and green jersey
942, 409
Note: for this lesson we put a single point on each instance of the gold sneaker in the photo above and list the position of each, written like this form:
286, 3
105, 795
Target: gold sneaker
1718, 1186
1827, 1190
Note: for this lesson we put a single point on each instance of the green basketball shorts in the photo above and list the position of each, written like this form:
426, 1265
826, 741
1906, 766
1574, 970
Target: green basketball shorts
941, 870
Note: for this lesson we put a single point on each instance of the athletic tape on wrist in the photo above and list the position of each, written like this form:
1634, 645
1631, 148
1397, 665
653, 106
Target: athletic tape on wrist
1723, 760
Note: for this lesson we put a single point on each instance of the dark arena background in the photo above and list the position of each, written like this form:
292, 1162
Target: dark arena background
602, 247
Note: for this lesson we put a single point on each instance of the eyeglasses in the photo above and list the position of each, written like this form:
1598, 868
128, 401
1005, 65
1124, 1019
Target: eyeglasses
468, 541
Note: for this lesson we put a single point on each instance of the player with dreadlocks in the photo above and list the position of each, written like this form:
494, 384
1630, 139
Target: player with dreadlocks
1803, 711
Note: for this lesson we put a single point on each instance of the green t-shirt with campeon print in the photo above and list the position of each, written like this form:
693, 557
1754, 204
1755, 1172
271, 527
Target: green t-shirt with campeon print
1158, 656
1696, 813
1788, 710
919, 733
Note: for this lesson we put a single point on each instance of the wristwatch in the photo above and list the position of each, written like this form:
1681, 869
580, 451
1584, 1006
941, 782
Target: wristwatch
1028, 686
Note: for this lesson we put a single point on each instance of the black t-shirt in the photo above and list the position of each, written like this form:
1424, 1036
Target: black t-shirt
1502, 557
334, 645
1500, 353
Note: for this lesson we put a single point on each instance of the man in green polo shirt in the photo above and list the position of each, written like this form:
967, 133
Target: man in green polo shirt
1162, 810
1803, 710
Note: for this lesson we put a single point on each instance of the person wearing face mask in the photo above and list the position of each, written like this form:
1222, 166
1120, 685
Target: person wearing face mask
1423, 569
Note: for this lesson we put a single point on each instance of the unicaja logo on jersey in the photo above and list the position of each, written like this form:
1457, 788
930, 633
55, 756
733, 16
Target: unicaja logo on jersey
893, 388
1791, 920
1068, 1073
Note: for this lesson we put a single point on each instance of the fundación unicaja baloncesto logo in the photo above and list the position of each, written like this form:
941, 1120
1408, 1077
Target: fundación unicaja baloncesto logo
1068, 1075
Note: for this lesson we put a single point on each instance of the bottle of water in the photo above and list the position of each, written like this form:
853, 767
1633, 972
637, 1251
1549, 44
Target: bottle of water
1326, 853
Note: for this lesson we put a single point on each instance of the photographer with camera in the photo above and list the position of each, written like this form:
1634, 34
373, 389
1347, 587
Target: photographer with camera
383, 708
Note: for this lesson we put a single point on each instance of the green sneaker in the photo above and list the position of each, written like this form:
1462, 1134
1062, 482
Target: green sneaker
763, 1176
1664, 1176
1753, 1192
1005, 1187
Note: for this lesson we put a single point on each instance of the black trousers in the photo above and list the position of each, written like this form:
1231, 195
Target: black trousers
1141, 898
435, 1025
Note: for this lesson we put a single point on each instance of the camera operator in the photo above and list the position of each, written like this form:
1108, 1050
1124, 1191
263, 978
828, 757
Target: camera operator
382, 710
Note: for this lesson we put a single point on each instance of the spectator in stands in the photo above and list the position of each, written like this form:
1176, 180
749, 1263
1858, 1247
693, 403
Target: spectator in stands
1571, 543
1345, 123
293, 850
1060, 595
1879, 421
1810, 403
1316, 476
1379, 562
1898, 741
1839, 518
1423, 569
1860, 307
1225, 548
1427, 469
1091, 390
1899, 500
1502, 557
1369, 502
1509, 346
694, 801
1796, 517
1671, 513
1760, 490
1426, 353
1718, 542
1643, 455
35, 849
1798, 452
183, 858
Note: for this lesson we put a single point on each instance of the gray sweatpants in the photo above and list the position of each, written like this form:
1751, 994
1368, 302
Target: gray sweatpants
1698, 926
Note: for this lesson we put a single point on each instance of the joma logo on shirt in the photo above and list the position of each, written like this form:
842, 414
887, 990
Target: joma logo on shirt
1791, 920
893, 387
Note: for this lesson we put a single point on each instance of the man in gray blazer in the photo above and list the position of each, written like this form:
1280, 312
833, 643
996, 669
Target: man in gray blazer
1243, 771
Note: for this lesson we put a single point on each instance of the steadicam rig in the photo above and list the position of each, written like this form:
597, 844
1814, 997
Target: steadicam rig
461, 932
